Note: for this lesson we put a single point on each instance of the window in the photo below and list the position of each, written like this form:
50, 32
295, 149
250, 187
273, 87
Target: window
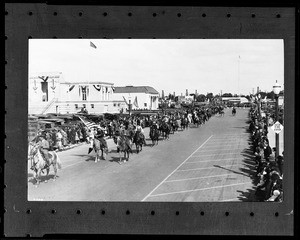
92, 105
119, 104
84, 105
76, 106
115, 104
145, 104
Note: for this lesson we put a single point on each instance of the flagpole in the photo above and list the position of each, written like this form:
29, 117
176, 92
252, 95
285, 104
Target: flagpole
239, 76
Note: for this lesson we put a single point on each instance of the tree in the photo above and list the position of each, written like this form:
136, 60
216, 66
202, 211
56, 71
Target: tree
200, 98
209, 96
193, 95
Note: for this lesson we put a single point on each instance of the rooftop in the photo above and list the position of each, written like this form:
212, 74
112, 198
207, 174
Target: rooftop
135, 89
84, 83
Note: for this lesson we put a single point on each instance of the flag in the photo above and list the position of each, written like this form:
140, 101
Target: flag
71, 88
125, 100
92, 45
135, 103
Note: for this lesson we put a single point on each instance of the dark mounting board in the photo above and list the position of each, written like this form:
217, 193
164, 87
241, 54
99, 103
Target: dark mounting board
39, 20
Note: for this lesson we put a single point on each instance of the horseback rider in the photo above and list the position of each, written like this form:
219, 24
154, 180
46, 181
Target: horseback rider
44, 148
126, 134
100, 137
140, 131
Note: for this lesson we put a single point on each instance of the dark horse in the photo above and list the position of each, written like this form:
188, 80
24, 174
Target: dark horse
184, 123
139, 140
154, 134
221, 112
233, 111
165, 129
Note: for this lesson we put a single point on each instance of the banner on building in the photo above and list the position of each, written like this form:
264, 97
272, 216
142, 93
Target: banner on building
97, 87
71, 88
125, 100
135, 103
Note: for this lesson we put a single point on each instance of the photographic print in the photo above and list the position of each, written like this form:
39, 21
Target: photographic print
165, 120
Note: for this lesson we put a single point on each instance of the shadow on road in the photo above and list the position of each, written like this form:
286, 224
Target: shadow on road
86, 157
230, 170
43, 178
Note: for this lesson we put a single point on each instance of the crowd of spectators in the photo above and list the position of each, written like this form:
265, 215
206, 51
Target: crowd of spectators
269, 169
64, 136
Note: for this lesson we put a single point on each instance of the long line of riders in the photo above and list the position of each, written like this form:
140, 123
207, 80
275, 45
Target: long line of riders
128, 131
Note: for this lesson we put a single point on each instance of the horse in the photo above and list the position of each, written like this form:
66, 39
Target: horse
139, 140
123, 145
184, 123
165, 129
196, 120
233, 111
154, 134
39, 163
221, 112
100, 145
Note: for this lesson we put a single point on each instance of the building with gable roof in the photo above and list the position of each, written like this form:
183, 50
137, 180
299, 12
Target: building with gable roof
141, 97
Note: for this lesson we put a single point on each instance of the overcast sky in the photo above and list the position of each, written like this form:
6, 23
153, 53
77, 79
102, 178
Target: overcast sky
169, 65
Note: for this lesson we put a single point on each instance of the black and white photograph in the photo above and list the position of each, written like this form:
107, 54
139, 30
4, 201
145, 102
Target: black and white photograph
156, 120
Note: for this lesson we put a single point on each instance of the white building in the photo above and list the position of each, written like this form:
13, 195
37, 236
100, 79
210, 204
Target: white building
235, 99
50, 93
141, 97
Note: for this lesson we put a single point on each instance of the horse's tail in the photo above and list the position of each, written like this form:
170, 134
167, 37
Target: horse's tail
58, 162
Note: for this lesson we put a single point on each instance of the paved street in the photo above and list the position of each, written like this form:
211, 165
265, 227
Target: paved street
209, 163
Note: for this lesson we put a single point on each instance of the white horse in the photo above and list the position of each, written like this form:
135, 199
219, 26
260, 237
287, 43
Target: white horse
38, 162
100, 146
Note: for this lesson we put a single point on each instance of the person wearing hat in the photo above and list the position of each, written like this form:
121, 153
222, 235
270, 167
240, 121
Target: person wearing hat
44, 148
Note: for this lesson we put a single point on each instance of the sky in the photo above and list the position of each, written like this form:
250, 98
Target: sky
172, 65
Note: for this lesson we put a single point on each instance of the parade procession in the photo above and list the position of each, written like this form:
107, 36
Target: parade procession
119, 129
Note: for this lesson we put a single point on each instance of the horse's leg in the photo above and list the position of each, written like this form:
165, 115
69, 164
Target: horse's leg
48, 169
104, 154
125, 155
96, 156
55, 171
38, 175
120, 158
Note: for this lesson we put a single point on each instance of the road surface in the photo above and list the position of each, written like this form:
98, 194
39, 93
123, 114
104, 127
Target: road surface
209, 163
